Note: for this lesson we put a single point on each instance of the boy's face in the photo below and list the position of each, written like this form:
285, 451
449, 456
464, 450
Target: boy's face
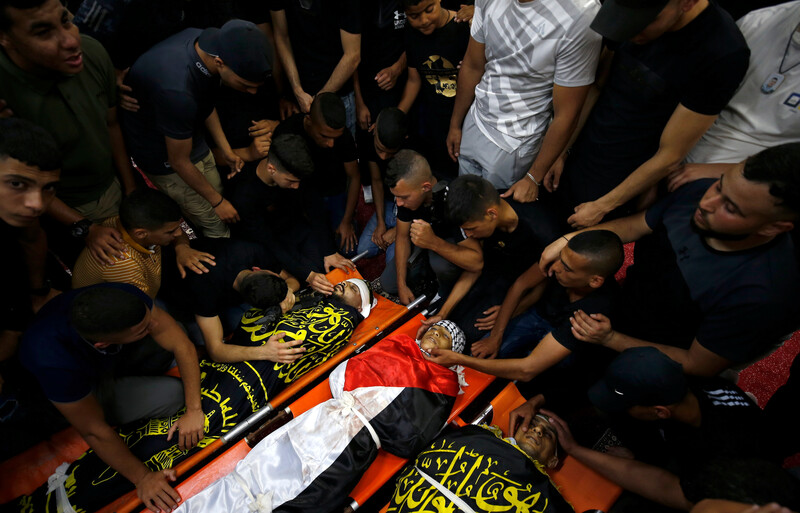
483, 227
285, 180
572, 270
540, 441
410, 195
425, 16
436, 337
382, 151
163, 236
25, 192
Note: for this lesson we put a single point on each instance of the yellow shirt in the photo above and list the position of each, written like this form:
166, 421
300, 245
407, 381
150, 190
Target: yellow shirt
138, 266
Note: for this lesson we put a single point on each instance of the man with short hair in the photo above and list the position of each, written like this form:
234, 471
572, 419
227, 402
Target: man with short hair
523, 83
89, 350
505, 229
283, 217
696, 421
336, 177
714, 274
387, 138
424, 233
177, 84
217, 299
541, 337
148, 220
677, 65
319, 44
65, 83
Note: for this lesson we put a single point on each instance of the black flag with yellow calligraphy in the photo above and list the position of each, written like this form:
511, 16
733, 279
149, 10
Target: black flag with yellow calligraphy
480, 468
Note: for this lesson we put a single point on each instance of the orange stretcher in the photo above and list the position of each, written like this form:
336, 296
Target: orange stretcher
382, 317
582, 487
25, 472
385, 464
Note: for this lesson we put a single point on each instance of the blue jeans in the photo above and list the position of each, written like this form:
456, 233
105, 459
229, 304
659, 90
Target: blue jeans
349, 101
523, 333
365, 241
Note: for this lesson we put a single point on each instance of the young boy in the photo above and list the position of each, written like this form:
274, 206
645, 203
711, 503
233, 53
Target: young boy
435, 45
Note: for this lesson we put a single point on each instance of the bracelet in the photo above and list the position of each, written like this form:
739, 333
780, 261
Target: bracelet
533, 179
221, 199
565, 238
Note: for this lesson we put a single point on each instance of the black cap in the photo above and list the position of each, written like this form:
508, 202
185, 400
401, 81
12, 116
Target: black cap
242, 47
620, 20
641, 376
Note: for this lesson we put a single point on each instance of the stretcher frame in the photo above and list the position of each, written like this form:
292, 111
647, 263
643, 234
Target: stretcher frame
369, 331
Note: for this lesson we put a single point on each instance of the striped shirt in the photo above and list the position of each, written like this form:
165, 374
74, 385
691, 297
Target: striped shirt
138, 266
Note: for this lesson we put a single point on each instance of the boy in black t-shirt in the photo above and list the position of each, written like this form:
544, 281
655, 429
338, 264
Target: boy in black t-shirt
435, 45
505, 229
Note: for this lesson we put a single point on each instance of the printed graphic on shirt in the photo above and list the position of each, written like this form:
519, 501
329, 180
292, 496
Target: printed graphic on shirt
440, 73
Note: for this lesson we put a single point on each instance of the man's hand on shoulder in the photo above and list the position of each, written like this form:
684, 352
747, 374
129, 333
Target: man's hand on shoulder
155, 492
187, 257
105, 244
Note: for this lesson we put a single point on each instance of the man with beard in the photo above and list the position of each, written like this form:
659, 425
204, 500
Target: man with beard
715, 276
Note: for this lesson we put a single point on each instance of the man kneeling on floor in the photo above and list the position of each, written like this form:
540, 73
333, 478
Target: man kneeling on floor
231, 392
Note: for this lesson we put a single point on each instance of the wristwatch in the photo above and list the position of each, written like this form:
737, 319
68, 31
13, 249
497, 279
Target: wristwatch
43, 290
80, 229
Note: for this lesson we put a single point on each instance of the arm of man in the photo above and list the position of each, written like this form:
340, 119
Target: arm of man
169, 335
87, 418
696, 361
345, 229
683, 130
629, 229
284, 49
122, 161
215, 129
351, 46
460, 289
488, 347
567, 104
402, 251
276, 349
467, 254
547, 353
178, 152
470, 74
378, 195
410, 91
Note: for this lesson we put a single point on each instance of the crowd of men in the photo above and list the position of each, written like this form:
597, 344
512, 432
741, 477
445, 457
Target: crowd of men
167, 165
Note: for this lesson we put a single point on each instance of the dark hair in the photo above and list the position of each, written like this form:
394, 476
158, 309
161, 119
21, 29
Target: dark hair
329, 109
5, 20
290, 154
149, 209
30, 144
778, 168
98, 311
407, 165
748, 480
263, 290
410, 3
468, 198
603, 248
392, 127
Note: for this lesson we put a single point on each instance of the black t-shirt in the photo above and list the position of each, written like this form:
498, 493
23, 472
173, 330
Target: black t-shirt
556, 308
176, 95
314, 27
15, 303
382, 36
511, 253
435, 214
329, 177
209, 294
436, 58
699, 66
734, 303
261, 207
66, 365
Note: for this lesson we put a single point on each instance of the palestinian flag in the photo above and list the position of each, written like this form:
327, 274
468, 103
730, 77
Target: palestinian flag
320, 455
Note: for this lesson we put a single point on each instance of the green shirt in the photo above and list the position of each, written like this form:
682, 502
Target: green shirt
74, 109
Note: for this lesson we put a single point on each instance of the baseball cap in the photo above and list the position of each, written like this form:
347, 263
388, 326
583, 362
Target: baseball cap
641, 376
620, 20
243, 48
366, 305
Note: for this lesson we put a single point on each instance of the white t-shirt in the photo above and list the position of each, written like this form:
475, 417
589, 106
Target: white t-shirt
753, 121
529, 47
